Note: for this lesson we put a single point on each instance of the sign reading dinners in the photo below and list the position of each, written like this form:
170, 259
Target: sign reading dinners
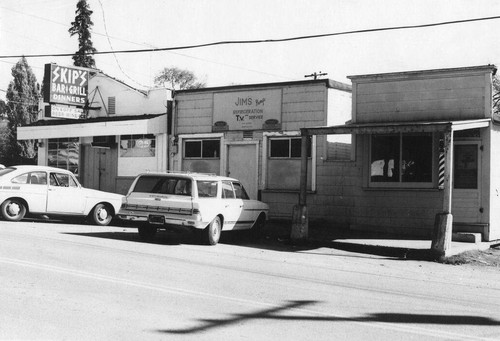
66, 90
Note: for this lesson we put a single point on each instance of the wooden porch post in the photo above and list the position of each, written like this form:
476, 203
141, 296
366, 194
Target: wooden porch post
443, 223
300, 221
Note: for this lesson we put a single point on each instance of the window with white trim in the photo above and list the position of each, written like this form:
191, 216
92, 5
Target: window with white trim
401, 160
64, 153
141, 145
283, 162
287, 147
202, 149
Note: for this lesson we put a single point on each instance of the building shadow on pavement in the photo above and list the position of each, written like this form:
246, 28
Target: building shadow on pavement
275, 236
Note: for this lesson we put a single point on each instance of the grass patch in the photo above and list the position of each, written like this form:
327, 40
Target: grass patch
490, 257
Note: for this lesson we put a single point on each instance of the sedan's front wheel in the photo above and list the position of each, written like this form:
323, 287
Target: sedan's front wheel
13, 209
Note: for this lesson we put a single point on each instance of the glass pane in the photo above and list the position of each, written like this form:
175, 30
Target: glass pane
384, 158
227, 190
192, 149
211, 148
21, 179
182, 187
240, 191
207, 189
416, 163
38, 178
279, 148
466, 166
296, 146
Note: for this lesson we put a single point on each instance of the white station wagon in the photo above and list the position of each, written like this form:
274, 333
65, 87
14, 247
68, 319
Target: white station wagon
191, 201
52, 192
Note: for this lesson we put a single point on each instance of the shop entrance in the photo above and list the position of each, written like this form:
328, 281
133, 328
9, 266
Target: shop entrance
100, 168
466, 197
242, 164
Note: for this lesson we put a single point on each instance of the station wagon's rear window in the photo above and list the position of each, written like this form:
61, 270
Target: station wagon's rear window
163, 185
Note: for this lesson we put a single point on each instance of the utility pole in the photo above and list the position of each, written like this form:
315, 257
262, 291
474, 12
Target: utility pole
315, 75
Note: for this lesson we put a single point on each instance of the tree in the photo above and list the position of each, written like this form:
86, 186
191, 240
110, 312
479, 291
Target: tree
81, 27
178, 79
23, 94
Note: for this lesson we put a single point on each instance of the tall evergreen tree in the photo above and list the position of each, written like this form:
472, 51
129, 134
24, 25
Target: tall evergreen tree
82, 27
23, 94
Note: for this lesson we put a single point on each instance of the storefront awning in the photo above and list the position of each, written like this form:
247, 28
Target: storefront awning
398, 127
146, 124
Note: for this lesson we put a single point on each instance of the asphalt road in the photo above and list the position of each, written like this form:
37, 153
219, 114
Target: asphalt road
79, 282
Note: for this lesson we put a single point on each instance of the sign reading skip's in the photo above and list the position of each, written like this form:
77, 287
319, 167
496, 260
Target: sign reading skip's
65, 85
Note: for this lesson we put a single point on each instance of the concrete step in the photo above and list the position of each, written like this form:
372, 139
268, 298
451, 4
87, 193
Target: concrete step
466, 237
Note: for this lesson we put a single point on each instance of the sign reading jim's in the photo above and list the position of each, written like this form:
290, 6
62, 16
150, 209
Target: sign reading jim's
65, 85
247, 110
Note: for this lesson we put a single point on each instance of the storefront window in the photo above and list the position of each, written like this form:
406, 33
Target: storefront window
401, 158
206, 149
137, 145
289, 147
64, 153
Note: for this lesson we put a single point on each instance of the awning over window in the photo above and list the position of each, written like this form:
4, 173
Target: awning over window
131, 126
398, 127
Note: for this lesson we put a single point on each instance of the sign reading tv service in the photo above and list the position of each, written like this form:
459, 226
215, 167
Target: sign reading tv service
247, 110
67, 86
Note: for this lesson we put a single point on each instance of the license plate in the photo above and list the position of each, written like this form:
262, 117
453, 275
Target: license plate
156, 219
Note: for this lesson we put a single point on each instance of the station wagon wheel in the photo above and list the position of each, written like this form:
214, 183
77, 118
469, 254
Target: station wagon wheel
147, 232
13, 209
101, 214
213, 231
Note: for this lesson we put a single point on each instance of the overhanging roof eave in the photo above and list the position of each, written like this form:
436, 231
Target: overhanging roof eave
398, 127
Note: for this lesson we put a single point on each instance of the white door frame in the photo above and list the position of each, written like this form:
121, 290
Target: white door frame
225, 160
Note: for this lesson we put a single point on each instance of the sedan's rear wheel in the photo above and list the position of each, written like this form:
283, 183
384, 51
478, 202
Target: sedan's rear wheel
101, 214
147, 232
213, 231
13, 209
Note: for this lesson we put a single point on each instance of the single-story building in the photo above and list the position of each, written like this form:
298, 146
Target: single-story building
252, 132
123, 131
425, 145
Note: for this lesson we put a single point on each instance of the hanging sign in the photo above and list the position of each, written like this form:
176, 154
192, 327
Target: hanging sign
63, 111
65, 85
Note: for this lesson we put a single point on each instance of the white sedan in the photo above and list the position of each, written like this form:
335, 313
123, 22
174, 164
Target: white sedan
52, 192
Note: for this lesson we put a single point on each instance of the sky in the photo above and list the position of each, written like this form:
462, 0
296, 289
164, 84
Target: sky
41, 27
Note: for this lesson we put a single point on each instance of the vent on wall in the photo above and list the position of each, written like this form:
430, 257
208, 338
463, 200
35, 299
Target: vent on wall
111, 105
248, 134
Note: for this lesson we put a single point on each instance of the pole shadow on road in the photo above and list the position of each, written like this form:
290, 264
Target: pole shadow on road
291, 311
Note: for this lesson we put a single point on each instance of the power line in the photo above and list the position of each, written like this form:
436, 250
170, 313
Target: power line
258, 41
111, 46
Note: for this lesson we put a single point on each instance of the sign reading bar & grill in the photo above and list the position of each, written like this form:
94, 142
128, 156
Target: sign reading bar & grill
65, 85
